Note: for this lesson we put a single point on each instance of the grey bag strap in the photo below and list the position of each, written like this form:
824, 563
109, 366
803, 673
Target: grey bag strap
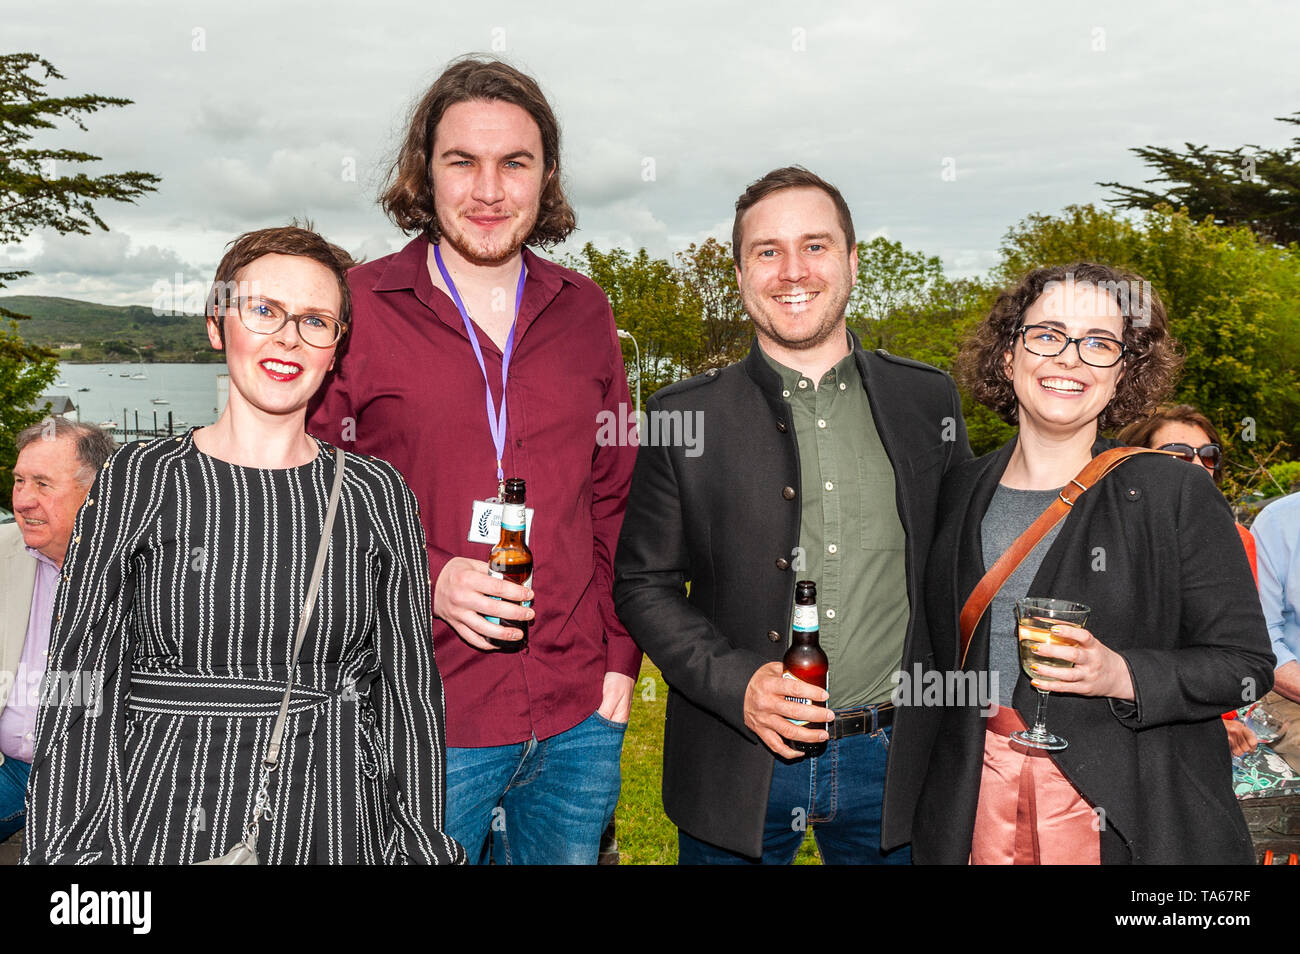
304, 618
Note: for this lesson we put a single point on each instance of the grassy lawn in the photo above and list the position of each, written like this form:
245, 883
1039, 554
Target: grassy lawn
645, 835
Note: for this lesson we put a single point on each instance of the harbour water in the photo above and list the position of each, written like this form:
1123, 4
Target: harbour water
189, 390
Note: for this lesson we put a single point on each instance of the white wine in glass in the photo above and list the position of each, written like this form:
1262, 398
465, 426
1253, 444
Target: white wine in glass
1035, 617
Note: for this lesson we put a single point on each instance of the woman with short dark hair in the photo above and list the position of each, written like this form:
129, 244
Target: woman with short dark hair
1174, 633
213, 572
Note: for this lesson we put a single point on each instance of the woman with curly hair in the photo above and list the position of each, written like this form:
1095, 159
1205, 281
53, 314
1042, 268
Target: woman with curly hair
1174, 636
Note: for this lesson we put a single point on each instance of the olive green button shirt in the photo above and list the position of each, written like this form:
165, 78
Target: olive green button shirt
850, 535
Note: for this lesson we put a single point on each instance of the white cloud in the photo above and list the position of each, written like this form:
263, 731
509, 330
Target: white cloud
103, 254
258, 127
107, 267
291, 182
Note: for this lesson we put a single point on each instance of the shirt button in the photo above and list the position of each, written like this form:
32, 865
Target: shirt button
90, 501
788, 493
77, 538
821, 423
30, 737
785, 394
830, 614
773, 636
803, 383
782, 563
829, 485
780, 426
832, 548
45, 653
843, 385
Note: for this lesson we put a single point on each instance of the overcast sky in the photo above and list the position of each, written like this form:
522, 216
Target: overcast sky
253, 113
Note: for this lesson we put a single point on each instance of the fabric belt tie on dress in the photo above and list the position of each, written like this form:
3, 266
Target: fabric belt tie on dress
186, 694
347, 709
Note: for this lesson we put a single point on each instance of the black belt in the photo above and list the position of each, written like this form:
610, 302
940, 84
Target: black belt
861, 720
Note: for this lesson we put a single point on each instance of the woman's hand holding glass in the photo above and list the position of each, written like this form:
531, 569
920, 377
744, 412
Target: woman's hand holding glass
1097, 671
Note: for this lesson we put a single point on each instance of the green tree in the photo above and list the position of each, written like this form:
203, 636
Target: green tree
891, 280
1250, 186
708, 275
649, 302
35, 195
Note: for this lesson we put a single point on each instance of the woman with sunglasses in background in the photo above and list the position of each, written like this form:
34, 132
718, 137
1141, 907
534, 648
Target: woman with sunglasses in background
1174, 630
1183, 430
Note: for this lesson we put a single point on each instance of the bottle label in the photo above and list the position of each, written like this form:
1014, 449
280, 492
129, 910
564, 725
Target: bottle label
512, 516
806, 702
500, 576
805, 618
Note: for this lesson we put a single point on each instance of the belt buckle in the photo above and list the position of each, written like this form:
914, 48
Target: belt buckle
877, 729
854, 723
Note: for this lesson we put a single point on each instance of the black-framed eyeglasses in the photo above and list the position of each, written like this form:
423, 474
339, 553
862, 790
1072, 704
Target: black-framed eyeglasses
262, 316
1096, 350
1210, 454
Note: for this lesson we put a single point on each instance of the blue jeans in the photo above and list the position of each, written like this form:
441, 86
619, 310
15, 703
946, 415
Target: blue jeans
542, 802
838, 794
13, 795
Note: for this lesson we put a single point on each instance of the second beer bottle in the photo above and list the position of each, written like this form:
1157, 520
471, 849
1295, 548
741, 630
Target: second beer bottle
805, 659
512, 560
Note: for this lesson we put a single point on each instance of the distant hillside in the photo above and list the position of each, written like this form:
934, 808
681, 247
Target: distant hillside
108, 333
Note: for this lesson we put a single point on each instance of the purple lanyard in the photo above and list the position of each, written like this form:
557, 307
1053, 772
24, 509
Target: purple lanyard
496, 421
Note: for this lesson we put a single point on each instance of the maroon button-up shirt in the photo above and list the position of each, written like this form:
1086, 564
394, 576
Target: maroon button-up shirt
409, 391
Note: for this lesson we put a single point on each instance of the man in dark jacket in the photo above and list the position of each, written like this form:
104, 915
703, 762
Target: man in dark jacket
811, 459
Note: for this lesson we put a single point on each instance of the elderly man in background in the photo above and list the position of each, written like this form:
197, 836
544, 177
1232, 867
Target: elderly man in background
57, 463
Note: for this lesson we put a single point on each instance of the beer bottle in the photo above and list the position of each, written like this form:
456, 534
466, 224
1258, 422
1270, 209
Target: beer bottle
512, 560
805, 659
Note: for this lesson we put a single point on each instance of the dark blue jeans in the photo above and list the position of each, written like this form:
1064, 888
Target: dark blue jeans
13, 794
837, 794
543, 802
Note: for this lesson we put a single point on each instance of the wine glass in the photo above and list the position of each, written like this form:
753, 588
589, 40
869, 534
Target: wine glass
1035, 617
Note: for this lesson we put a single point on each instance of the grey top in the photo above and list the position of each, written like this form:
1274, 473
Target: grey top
1009, 515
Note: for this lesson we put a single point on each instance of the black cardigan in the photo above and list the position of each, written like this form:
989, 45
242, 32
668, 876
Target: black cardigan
1153, 550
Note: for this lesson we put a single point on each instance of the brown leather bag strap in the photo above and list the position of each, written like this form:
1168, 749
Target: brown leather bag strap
987, 588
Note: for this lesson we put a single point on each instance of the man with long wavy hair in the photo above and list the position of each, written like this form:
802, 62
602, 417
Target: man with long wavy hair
465, 310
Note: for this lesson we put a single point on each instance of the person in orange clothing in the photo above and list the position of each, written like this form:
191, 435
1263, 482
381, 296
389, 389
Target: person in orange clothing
1184, 430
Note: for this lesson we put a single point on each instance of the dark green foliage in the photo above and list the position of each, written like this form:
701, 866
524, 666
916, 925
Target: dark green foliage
37, 193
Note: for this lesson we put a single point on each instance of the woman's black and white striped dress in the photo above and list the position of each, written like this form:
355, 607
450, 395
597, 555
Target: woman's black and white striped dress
180, 597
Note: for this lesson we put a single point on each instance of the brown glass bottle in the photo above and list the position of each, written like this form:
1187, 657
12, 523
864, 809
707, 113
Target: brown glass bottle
512, 560
805, 659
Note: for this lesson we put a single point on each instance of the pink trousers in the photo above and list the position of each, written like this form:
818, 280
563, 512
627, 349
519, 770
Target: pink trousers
1029, 813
